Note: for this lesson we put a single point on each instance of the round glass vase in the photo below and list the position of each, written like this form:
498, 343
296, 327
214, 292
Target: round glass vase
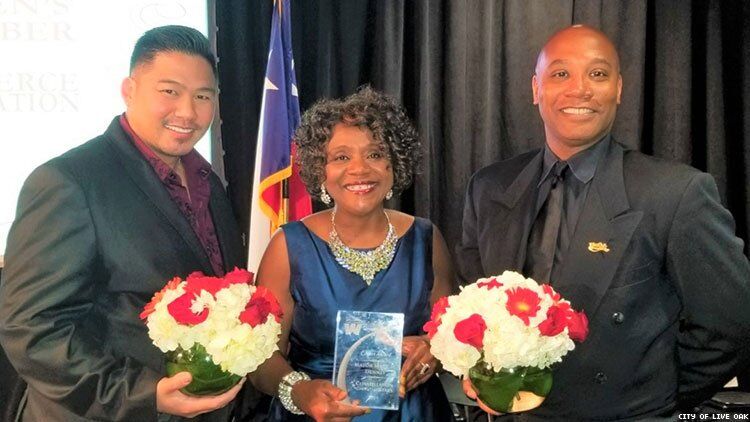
511, 390
208, 378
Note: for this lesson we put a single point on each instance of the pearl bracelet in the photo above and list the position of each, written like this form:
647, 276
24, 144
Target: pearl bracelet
285, 390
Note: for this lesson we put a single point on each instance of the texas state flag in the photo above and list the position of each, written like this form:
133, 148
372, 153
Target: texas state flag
274, 162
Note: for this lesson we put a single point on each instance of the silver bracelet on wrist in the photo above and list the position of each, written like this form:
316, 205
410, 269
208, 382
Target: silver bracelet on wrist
285, 390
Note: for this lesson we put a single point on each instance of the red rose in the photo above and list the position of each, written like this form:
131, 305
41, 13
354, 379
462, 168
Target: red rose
151, 306
239, 276
439, 308
546, 288
557, 319
578, 326
195, 274
492, 284
273, 303
471, 331
197, 282
431, 326
180, 310
261, 304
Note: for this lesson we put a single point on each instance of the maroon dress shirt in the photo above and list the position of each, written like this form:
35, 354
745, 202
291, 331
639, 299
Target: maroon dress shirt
194, 206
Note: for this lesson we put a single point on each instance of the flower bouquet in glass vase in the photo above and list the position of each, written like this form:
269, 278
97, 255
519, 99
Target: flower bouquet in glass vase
217, 328
504, 333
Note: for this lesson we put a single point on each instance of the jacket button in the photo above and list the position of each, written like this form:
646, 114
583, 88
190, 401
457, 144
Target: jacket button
618, 317
600, 378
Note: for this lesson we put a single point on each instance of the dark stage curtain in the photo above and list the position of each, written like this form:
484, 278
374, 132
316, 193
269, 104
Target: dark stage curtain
463, 70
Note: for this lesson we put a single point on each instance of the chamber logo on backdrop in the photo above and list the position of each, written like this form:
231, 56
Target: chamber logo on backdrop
35, 21
46, 92
30, 24
157, 13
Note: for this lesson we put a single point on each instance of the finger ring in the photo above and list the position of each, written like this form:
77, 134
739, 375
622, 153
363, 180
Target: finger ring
425, 368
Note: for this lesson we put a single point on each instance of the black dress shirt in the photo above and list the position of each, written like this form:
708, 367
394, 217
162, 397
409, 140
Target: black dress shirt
581, 169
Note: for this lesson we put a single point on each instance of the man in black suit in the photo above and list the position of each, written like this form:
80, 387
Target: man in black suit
100, 229
643, 246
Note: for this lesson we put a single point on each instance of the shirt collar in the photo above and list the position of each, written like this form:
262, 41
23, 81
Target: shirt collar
192, 161
582, 165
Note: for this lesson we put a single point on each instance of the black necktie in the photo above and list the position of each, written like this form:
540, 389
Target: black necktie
540, 249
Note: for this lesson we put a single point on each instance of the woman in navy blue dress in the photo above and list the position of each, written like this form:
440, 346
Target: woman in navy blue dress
354, 154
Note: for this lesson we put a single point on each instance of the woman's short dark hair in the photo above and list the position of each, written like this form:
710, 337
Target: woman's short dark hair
171, 38
368, 109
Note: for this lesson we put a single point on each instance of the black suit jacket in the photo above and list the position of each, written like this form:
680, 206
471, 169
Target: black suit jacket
667, 305
95, 235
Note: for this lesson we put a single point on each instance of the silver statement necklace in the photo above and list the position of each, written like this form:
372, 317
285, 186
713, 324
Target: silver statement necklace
363, 263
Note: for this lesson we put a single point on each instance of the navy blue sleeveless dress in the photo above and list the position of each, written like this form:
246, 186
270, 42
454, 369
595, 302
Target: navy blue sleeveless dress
320, 287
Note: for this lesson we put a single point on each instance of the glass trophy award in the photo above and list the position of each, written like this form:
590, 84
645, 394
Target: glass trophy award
367, 359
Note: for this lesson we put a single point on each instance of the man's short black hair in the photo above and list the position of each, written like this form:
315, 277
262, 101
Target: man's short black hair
174, 38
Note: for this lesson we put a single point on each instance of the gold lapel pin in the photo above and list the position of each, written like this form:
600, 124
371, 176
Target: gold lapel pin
598, 247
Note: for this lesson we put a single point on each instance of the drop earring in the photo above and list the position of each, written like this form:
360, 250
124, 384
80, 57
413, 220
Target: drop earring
389, 194
324, 196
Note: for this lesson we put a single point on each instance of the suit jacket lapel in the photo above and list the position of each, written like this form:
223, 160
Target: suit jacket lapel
510, 225
606, 217
144, 178
226, 228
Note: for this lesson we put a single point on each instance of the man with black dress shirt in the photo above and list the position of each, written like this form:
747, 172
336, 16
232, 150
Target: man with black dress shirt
643, 246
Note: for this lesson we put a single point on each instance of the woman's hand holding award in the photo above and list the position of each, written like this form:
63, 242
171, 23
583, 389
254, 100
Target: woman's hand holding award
368, 357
